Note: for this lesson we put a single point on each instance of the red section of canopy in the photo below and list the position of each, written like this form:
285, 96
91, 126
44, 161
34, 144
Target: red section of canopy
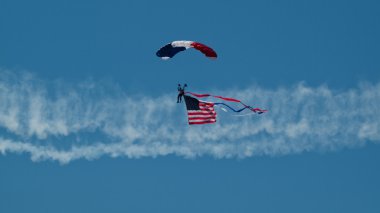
204, 49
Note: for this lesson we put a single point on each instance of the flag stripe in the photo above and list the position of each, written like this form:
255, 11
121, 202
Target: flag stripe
202, 116
200, 112
202, 122
202, 119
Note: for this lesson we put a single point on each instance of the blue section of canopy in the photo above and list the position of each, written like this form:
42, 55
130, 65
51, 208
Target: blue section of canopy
169, 51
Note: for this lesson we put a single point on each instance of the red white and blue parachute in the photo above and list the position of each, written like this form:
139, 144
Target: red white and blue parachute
171, 49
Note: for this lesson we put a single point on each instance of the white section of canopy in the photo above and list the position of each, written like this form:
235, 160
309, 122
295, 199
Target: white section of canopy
186, 44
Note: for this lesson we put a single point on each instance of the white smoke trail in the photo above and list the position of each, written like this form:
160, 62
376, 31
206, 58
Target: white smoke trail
64, 123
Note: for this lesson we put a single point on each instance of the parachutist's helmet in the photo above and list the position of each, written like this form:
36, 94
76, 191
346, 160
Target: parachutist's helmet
185, 85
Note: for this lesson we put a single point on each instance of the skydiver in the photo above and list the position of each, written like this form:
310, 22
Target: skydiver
181, 92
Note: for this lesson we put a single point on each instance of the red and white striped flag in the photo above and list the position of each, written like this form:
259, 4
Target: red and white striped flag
199, 112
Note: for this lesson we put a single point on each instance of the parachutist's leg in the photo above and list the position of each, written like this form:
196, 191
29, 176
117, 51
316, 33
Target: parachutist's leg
178, 98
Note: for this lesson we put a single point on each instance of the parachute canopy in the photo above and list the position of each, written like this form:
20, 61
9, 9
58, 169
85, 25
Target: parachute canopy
171, 49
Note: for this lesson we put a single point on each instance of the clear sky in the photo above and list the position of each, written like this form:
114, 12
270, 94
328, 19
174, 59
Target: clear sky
89, 123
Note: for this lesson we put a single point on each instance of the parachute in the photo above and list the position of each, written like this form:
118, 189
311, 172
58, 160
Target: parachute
170, 50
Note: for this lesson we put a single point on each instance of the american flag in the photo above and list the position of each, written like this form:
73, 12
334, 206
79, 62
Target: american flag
199, 112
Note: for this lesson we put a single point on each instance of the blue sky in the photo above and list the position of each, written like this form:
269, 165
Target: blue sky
89, 123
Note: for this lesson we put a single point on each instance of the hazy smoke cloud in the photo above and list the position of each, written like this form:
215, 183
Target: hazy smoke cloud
57, 121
